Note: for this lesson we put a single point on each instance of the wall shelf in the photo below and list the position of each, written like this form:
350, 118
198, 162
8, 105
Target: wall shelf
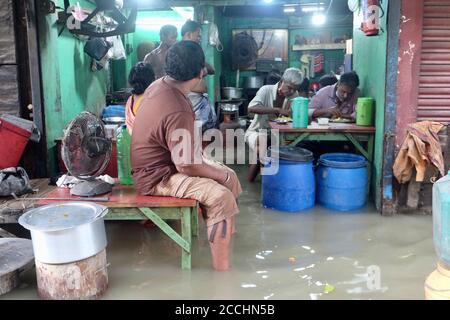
322, 46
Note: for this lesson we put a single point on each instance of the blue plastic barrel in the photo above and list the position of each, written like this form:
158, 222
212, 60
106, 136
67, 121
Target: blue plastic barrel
441, 220
342, 181
292, 189
114, 111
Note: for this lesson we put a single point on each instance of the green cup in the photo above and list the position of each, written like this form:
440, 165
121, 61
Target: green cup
365, 111
300, 117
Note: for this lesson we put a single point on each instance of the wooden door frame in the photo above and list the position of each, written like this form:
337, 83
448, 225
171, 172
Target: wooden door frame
38, 152
388, 203
403, 67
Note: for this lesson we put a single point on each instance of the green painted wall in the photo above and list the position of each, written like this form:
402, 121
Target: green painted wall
212, 55
148, 24
69, 85
370, 62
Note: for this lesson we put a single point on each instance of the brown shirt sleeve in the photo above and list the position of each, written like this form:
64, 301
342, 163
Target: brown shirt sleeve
185, 150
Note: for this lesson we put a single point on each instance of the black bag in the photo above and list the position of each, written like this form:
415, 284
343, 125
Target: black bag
14, 181
97, 48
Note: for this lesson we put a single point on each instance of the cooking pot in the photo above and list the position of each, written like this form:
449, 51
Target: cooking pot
254, 82
66, 232
230, 107
229, 93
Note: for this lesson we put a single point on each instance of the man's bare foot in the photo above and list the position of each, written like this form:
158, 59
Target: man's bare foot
253, 171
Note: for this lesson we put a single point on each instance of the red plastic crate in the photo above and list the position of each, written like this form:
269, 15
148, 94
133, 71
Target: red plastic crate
13, 141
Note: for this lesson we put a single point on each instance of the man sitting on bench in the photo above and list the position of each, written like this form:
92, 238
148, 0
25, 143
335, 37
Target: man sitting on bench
164, 166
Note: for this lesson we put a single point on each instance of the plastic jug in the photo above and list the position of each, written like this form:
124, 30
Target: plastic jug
299, 108
365, 112
123, 156
441, 220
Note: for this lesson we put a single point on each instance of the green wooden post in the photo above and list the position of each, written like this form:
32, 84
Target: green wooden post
186, 233
370, 149
358, 146
183, 241
302, 137
194, 220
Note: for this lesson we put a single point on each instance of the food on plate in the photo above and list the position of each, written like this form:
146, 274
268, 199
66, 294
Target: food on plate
323, 121
283, 119
342, 120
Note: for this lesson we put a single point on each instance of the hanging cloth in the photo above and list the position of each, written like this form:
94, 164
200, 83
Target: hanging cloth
420, 149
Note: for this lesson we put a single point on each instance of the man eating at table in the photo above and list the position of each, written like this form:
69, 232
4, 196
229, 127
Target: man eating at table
337, 101
270, 101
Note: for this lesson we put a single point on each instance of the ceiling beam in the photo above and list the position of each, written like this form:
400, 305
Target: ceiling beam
162, 4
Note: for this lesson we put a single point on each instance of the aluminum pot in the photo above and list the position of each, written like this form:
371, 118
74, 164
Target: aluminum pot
254, 82
230, 93
66, 232
230, 107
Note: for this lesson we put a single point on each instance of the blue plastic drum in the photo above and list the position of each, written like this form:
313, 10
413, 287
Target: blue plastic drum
292, 189
342, 181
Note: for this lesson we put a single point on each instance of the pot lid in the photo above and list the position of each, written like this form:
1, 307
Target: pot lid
61, 216
292, 154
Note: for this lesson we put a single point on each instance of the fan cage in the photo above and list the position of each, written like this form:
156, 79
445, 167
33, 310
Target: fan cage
85, 126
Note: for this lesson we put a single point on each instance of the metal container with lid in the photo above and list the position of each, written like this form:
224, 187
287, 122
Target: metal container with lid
254, 82
231, 93
229, 107
66, 232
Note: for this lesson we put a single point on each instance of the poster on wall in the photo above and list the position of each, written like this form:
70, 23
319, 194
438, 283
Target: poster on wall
273, 44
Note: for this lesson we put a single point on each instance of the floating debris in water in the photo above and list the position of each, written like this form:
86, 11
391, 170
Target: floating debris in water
315, 296
407, 256
265, 276
330, 259
328, 288
299, 269
305, 276
306, 247
355, 290
319, 284
268, 297
248, 285
311, 266
259, 257
261, 271
267, 252
313, 251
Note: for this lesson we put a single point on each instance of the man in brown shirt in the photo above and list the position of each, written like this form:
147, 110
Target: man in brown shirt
162, 150
157, 58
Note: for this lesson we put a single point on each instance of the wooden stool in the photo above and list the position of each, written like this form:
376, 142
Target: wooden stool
80, 280
437, 285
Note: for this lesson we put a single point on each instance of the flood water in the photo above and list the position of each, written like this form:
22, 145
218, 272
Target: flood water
318, 254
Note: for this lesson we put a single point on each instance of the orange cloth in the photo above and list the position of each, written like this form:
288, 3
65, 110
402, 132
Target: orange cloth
420, 149
130, 111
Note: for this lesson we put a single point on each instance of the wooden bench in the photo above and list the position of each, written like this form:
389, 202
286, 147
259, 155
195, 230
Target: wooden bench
125, 204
